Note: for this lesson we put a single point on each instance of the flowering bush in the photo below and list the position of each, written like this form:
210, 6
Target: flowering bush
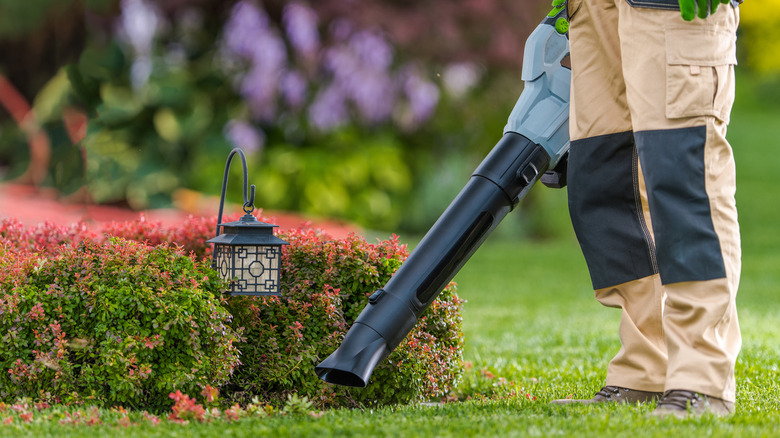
317, 104
112, 322
325, 284
45, 238
124, 322
342, 76
190, 236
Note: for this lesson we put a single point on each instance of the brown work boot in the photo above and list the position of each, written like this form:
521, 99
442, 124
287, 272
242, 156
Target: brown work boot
615, 394
684, 403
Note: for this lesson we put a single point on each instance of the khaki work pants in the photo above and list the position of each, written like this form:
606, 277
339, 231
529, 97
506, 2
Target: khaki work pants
651, 189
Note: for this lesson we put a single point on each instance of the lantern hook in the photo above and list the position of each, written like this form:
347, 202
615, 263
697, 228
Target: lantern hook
249, 202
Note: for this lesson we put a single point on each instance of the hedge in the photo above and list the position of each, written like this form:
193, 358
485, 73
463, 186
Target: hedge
130, 315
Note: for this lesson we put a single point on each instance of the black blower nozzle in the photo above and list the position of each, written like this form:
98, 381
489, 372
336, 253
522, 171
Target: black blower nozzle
498, 184
352, 364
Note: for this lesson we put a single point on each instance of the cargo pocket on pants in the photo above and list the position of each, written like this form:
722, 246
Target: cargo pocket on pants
699, 72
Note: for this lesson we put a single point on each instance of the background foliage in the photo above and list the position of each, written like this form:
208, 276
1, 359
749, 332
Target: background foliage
373, 111
339, 108
760, 34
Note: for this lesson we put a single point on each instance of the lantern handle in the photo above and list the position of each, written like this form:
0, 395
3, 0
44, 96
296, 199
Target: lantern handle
249, 203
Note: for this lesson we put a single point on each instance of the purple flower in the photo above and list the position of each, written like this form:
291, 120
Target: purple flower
243, 135
293, 87
460, 77
259, 88
372, 49
357, 79
246, 23
360, 67
340, 62
249, 36
300, 23
139, 24
329, 109
373, 93
269, 51
423, 97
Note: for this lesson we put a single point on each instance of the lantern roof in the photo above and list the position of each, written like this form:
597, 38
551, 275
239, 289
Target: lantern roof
247, 231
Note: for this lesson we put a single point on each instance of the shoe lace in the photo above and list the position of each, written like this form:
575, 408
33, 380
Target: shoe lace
679, 399
608, 391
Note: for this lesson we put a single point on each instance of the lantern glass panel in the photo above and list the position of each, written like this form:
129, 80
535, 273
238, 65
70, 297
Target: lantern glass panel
253, 269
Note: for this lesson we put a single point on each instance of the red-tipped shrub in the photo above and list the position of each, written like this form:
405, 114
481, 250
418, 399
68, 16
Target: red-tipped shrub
325, 285
191, 235
110, 301
115, 322
45, 238
186, 409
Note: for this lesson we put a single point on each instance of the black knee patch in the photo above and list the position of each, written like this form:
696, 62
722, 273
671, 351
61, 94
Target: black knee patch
605, 209
688, 248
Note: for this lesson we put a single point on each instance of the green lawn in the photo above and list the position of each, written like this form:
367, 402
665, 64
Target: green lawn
532, 323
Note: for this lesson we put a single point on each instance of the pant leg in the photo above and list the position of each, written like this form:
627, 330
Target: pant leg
607, 197
680, 89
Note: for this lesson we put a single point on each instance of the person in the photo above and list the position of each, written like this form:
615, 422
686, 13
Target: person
651, 182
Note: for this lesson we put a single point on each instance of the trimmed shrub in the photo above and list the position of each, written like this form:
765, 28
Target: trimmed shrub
115, 322
190, 236
325, 284
45, 238
122, 322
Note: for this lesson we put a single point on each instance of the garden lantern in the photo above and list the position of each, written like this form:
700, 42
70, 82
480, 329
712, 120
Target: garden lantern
247, 253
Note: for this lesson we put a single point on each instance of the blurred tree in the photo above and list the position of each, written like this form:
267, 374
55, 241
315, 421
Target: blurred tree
489, 33
37, 37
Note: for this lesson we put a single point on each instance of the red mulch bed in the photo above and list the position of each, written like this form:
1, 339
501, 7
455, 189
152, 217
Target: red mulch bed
34, 206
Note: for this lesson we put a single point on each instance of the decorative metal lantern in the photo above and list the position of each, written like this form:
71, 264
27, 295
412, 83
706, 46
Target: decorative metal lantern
247, 253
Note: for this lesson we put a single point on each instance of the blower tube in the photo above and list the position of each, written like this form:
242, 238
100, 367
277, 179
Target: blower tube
535, 138
497, 185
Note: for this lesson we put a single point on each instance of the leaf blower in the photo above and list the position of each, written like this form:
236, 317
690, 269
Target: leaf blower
536, 138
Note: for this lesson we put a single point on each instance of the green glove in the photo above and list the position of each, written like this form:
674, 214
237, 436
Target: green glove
689, 8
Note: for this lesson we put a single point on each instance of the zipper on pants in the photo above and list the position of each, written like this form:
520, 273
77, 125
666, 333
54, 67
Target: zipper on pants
640, 210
